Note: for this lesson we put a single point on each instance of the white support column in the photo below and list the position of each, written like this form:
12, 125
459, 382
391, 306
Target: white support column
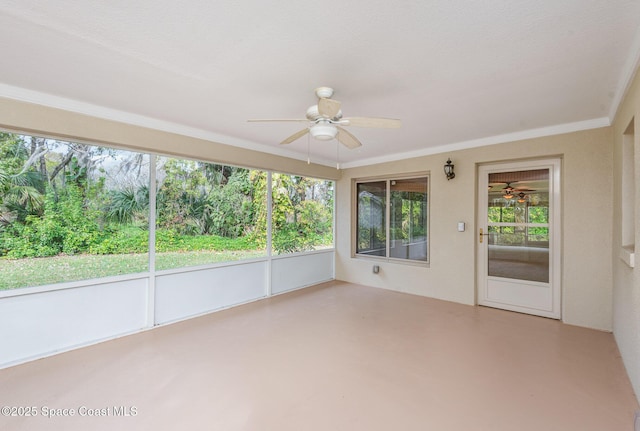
335, 217
269, 231
151, 297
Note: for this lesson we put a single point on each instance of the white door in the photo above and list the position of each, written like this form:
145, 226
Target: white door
518, 237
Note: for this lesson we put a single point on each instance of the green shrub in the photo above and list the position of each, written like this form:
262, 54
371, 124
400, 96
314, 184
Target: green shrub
121, 240
169, 240
292, 238
65, 227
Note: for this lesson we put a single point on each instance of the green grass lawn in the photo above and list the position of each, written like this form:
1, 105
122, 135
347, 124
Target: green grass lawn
16, 273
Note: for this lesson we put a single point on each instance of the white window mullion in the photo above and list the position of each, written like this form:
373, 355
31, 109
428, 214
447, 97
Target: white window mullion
388, 220
269, 231
151, 296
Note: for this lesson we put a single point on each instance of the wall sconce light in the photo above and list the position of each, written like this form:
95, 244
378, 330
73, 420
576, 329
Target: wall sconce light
448, 170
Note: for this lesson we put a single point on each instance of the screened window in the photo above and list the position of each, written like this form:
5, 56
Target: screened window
392, 218
208, 213
302, 213
70, 211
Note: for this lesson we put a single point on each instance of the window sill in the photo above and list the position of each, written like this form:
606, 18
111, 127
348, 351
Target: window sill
409, 262
627, 254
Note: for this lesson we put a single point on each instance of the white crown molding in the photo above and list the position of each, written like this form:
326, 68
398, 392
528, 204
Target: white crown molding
491, 140
57, 102
626, 76
35, 97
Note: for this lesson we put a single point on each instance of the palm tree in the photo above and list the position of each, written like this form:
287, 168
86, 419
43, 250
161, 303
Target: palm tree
22, 195
21, 187
128, 205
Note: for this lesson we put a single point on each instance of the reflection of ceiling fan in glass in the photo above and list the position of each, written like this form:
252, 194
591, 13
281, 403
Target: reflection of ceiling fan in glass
509, 192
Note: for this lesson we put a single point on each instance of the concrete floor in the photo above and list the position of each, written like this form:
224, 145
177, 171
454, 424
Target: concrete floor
334, 357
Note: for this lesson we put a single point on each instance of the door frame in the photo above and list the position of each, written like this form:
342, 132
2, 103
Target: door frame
555, 230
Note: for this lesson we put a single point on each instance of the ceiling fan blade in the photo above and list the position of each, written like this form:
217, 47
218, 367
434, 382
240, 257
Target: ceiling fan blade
347, 139
328, 108
295, 136
298, 120
384, 123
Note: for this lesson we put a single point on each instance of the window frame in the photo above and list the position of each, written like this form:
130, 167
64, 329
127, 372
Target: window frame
354, 218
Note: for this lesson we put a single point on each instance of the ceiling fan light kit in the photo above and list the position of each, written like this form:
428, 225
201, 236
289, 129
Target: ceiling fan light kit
324, 131
522, 197
508, 192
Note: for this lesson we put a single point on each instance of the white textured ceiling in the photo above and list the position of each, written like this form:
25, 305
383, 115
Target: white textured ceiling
458, 73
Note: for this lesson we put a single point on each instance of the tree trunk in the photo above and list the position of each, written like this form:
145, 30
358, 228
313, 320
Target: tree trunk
65, 161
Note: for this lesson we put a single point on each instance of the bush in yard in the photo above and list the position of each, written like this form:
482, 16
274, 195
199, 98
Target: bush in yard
293, 239
65, 227
119, 239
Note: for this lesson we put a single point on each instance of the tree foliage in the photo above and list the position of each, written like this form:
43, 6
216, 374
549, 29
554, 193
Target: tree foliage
67, 198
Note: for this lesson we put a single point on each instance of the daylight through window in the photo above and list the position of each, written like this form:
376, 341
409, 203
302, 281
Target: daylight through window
71, 212
392, 218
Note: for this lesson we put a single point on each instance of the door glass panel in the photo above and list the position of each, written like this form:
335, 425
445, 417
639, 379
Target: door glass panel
518, 221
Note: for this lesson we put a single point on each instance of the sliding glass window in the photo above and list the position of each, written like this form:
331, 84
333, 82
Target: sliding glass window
392, 218
372, 230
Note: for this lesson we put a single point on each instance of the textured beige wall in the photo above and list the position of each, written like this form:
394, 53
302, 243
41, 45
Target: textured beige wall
587, 185
43, 121
626, 281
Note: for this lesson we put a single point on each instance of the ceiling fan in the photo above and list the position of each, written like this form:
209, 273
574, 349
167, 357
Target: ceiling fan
326, 121
509, 191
